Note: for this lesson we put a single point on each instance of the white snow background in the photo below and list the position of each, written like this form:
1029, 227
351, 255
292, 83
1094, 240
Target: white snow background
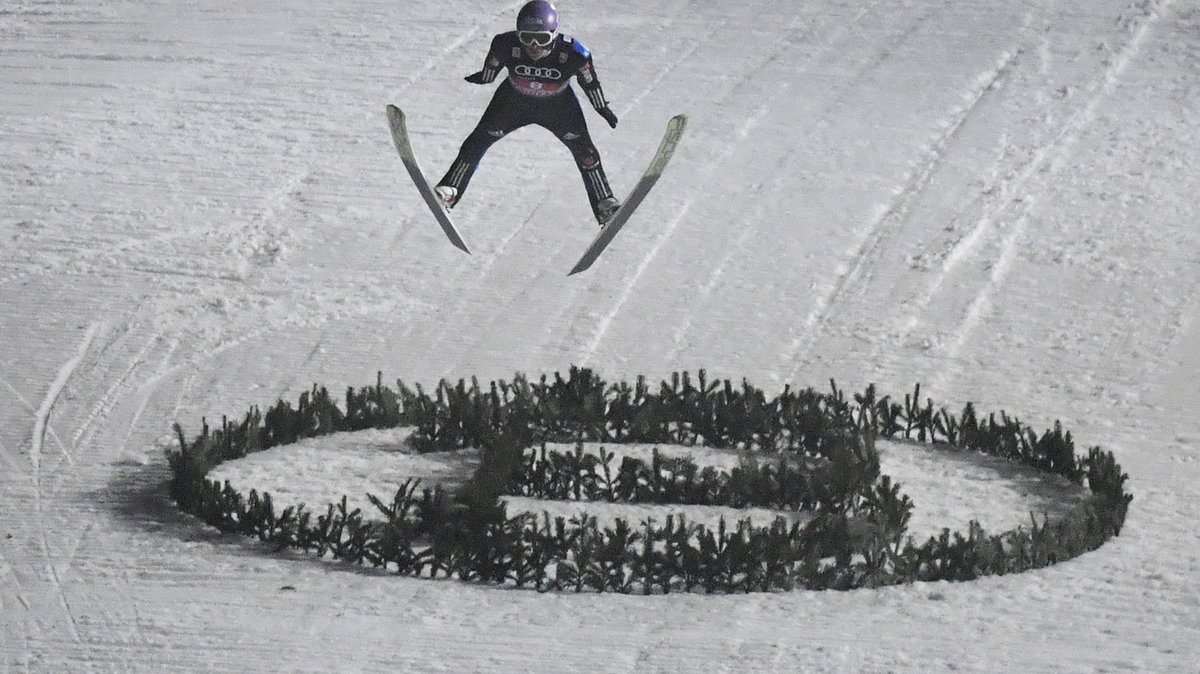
202, 211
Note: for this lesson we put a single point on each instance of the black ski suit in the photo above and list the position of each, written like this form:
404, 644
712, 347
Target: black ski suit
537, 92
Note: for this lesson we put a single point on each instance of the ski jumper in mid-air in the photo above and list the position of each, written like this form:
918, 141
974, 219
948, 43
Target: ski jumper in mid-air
540, 63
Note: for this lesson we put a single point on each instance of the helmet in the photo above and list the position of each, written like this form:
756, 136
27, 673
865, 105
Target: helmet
538, 16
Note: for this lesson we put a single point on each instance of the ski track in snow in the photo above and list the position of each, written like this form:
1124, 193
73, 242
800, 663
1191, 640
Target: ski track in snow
889, 216
1007, 207
731, 253
1044, 167
42, 416
37, 442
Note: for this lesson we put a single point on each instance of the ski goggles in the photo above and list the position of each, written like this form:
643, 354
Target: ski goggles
535, 38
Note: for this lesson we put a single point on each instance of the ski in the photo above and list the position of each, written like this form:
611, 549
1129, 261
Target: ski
400, 137
666, 149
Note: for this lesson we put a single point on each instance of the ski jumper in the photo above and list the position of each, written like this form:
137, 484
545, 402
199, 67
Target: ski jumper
537, 92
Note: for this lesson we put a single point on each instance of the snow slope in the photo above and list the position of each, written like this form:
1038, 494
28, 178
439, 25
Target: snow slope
202, 211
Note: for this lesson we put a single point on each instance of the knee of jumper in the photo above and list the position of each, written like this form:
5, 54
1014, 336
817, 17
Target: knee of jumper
587, 159
582, 149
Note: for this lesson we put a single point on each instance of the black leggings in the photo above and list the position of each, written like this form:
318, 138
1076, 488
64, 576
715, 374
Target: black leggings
510, 110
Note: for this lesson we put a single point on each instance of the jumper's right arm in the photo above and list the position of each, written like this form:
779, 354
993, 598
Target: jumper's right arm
491, 68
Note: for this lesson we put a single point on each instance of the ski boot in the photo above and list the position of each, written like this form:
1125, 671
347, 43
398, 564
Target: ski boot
447, 194
606, 208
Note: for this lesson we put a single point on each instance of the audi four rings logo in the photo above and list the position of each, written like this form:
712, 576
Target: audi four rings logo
550, 73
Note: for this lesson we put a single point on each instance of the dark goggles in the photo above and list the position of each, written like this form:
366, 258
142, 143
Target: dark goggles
538, 38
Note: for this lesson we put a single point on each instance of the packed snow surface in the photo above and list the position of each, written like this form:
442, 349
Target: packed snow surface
202, 211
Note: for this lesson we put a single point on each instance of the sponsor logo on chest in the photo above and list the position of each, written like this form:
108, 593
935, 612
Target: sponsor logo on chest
535, 71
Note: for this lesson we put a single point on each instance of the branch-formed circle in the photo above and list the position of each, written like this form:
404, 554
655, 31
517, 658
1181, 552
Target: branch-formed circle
842, 524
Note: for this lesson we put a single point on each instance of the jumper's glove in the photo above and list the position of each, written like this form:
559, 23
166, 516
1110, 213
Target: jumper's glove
475, 78
609, 116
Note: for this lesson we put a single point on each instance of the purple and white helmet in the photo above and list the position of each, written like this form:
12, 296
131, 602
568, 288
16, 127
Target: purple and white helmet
537, 17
